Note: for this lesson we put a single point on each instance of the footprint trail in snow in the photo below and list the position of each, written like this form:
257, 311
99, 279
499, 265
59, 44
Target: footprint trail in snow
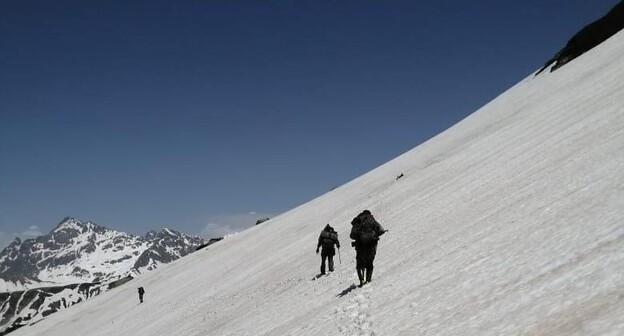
354, 317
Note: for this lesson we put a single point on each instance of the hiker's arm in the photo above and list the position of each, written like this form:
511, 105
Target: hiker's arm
380, 230
353, 234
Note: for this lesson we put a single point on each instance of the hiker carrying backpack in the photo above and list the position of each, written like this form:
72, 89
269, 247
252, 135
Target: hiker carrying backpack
327, 239
365, 232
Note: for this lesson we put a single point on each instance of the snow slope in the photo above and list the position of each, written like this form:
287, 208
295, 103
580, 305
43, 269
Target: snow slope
511, 222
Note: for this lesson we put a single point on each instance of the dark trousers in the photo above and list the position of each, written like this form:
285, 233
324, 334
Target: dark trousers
364, 257
141, 298
330, 259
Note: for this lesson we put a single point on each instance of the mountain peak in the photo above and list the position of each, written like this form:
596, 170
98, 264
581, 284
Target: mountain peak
170, 232
166, 232
69, 223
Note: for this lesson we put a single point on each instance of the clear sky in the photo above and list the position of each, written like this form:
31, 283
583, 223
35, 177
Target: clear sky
204, 116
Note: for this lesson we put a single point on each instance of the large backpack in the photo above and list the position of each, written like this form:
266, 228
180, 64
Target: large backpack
328, 238
368, 234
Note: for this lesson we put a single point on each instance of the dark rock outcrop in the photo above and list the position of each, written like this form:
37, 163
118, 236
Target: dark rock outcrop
262, 220
40, 302
587, 38
119, 282
210, 242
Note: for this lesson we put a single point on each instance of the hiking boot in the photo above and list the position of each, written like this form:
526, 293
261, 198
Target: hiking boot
360, 272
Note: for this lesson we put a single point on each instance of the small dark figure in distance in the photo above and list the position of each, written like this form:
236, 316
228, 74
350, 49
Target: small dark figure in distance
141, 292
327, 239
365, 232
399, 176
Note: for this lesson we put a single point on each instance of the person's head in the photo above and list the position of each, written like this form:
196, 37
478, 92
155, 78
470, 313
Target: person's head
328, 227
365, 214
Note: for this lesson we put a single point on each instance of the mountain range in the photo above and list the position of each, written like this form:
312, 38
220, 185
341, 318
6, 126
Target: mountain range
76, 261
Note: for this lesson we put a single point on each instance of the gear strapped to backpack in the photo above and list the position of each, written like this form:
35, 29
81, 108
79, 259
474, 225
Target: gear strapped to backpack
328, 239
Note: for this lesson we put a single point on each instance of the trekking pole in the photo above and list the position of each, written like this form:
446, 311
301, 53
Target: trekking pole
339, 260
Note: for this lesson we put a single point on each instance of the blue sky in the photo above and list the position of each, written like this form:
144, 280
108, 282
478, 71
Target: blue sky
203, 116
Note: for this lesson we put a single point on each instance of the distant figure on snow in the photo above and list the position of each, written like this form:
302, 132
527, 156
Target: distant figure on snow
327, 240
399, 176
141, 292
365, 232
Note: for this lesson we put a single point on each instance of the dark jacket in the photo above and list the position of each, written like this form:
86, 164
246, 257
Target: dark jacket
327, 239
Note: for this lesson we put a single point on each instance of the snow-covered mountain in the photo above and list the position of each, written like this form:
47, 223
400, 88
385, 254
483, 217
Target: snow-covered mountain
509, 223
76, 261
77, 252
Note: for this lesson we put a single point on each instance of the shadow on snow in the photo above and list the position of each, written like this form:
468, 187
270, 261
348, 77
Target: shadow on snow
347, 290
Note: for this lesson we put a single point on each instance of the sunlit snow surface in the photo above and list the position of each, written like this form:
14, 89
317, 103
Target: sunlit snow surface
509, 223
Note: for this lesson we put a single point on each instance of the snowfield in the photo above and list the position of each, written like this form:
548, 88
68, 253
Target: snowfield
509, 223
